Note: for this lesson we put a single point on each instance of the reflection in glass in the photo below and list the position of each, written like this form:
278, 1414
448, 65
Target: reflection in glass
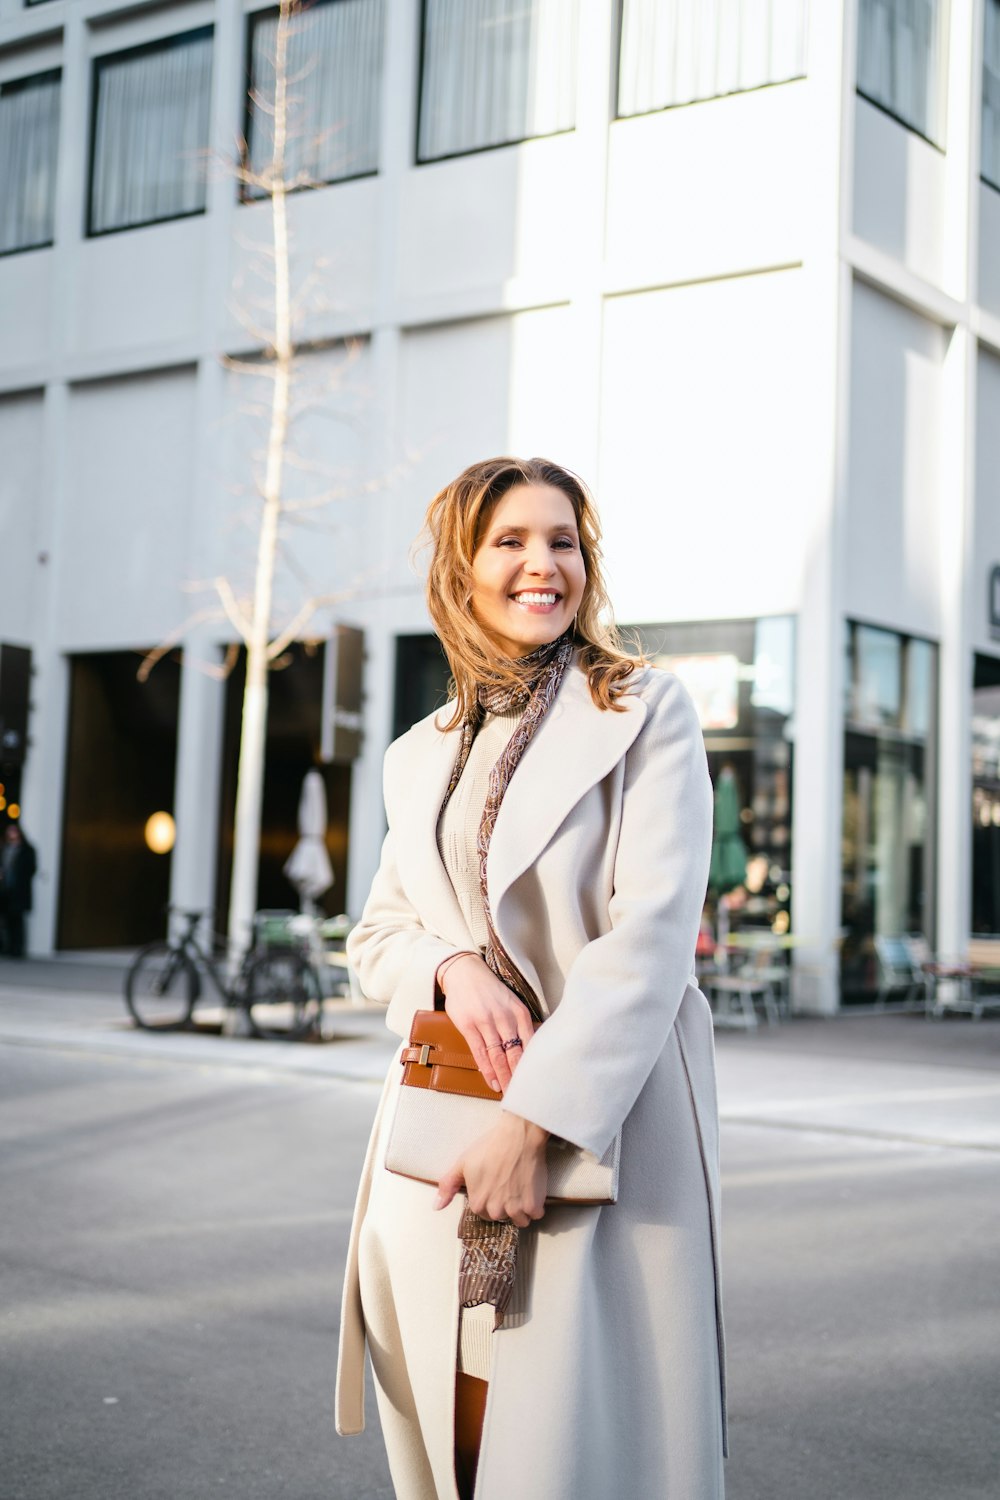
887, 850
986, 797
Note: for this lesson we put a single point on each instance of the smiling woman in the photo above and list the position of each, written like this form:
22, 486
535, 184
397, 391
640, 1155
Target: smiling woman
542, 883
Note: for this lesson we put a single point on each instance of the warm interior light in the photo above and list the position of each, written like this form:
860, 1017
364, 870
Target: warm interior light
14, 812
160, 831
3, 802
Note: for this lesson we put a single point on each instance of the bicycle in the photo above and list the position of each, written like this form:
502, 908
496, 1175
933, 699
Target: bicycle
277, 987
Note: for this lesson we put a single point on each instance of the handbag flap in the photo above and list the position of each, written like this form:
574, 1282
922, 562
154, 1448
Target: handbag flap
438, 1057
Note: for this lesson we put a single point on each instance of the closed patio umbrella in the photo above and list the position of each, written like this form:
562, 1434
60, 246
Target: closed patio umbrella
729, 854
308, 866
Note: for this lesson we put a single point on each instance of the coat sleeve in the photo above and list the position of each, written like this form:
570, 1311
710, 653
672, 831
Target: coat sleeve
394, 956
587, 1064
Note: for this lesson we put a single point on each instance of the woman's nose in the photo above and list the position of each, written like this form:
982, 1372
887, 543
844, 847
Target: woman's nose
539, 563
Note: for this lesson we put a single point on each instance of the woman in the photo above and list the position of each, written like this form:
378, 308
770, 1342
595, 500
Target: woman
606, 1375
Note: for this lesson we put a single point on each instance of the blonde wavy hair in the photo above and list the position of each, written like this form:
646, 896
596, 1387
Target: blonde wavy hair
456, 520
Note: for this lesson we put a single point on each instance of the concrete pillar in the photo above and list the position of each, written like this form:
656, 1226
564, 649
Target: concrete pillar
196, 797
957, 482
818, 773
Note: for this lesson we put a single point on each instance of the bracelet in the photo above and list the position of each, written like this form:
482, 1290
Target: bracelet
443, 965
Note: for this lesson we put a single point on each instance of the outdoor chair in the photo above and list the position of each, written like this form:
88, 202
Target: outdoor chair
900, 965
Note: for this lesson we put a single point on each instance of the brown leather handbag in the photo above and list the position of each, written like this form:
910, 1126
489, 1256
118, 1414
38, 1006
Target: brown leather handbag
444, 1104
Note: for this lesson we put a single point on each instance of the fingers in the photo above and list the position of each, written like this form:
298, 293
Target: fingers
451, 1183
525, 1031
485, 1055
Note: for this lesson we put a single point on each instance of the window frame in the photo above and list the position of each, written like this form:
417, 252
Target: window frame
660, 109
943, 12
244, 194
15, 85
157, 44
989, 182
429, 161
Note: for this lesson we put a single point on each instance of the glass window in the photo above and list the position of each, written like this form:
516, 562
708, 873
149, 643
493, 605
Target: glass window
150, 140
335, 69
986, 797
887, 839
899, 60
876, 677
495, 72
29, 148
741, 676
990, 165
677, 51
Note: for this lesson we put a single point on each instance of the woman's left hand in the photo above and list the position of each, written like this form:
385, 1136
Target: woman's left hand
504, 1173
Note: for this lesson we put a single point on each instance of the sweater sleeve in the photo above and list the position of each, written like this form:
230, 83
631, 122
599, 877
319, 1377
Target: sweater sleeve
587, 1064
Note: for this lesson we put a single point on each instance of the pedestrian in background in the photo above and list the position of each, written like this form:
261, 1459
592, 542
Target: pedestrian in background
17, 871
574, 776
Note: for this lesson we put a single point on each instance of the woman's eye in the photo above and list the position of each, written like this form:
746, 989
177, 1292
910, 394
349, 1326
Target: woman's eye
564, 542
509, 541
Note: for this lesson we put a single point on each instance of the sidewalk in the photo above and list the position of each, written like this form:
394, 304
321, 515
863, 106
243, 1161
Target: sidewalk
889, 1077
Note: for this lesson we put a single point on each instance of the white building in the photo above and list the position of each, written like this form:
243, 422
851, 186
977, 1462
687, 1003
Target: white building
735, 261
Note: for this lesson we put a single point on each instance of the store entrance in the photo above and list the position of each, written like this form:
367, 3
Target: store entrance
121, 747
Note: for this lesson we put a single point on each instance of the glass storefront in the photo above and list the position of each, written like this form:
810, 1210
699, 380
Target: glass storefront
986, 797
740, 674
887, 845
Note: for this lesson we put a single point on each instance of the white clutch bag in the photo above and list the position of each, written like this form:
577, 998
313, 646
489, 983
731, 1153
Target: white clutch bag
445, 1104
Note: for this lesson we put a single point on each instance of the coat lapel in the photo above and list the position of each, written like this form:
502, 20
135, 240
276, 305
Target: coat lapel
575, 746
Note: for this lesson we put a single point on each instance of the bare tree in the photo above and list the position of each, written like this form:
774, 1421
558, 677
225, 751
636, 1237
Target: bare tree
273, 356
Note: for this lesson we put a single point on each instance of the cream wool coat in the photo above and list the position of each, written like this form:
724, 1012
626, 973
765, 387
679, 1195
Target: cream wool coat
611, 1382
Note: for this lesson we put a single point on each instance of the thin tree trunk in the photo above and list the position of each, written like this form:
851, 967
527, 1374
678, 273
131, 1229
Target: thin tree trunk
253, 732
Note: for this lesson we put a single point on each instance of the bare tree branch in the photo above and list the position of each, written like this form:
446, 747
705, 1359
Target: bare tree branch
231, 605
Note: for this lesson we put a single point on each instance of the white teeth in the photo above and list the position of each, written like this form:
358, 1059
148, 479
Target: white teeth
535, 598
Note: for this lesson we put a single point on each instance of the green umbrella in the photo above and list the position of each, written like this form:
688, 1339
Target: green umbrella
729, 855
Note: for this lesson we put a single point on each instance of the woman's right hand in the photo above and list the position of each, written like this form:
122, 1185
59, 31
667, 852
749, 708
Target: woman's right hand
487, 1014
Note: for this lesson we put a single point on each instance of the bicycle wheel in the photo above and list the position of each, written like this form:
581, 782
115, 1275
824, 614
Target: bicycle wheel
282, 996
161, 988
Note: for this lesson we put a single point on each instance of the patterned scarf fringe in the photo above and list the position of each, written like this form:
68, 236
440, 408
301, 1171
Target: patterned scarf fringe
489, 1254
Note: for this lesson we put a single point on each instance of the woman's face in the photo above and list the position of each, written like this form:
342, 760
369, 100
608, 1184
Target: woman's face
528, 573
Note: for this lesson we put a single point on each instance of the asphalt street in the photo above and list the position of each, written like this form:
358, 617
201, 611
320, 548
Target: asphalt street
175, 1215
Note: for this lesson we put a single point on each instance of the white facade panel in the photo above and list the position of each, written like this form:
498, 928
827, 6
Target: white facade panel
22, 421
26, 316
127, 511
986, 536
478, 221
322, 551
705, 476
894, 480
989, 248
476, 389
709, 189
139, 289
899, 191
333, 244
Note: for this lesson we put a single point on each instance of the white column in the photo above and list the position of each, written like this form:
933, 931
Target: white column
196, 797
398, 112
957, 484
595, 62
42, 787
818, 747
202, 698
45, 764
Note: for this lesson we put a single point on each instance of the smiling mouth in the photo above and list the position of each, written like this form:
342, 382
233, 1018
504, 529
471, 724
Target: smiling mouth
536, 598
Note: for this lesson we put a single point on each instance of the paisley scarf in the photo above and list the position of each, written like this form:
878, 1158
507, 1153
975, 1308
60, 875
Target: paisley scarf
489, 1253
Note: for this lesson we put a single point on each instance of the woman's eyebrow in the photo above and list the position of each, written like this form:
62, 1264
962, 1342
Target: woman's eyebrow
523, 530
